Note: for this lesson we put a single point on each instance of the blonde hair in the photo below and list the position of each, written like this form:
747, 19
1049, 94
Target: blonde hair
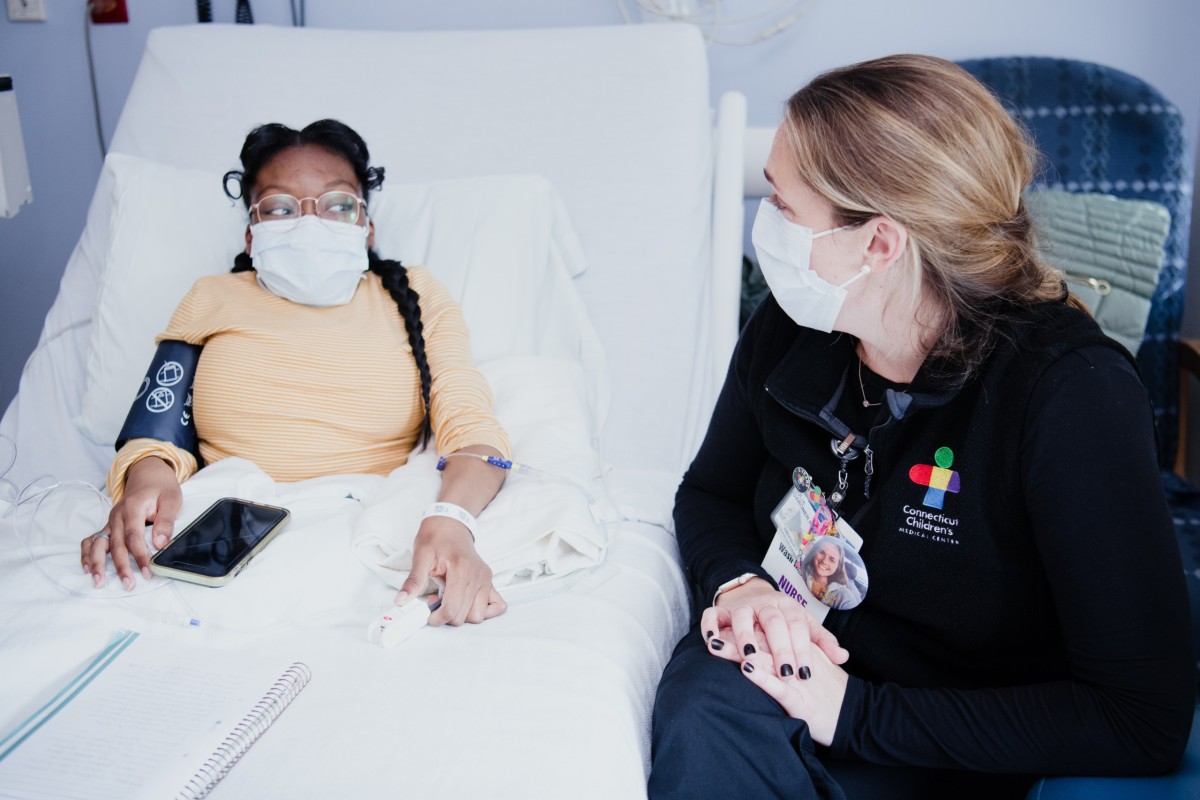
919, 140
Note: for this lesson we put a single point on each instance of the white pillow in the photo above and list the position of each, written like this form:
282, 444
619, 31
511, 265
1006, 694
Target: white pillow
502, 245
168, 226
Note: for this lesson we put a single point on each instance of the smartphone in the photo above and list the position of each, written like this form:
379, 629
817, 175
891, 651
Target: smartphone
219, 543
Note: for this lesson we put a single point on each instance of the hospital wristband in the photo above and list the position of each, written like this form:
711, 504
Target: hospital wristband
452, 511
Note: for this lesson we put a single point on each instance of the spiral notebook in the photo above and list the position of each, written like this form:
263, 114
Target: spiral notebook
148, 718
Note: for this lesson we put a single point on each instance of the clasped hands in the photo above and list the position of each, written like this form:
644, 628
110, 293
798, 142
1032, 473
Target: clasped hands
782, 650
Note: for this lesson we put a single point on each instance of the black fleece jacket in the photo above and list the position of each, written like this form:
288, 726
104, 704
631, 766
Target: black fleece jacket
1035, 623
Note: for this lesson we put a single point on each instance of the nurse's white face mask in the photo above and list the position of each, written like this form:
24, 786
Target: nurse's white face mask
312, 261
784, 250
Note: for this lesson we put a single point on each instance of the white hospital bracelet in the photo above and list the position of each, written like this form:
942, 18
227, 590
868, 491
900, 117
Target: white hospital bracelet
453, 512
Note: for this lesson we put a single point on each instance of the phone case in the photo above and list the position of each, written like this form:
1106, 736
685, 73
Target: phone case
235, 568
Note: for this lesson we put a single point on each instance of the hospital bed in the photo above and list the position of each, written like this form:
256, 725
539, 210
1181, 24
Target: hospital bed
578, 194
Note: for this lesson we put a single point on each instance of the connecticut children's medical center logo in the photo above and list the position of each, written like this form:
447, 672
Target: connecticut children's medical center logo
940, 478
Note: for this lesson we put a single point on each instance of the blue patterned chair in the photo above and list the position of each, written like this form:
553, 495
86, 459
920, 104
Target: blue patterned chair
1103, 130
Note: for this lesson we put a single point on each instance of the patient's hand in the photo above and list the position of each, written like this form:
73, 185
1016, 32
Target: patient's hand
443, 549
152, 495
758, 616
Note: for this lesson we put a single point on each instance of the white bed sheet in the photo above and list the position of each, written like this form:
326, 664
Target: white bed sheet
553, 698
549, 700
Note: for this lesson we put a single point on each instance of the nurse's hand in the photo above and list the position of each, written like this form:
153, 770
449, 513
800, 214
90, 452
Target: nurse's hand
817, 700
152, 495
444, 549
757, 618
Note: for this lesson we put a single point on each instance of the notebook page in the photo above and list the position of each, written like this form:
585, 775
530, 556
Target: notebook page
142, 726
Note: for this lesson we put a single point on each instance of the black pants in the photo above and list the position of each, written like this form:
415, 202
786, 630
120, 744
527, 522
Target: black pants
716, 733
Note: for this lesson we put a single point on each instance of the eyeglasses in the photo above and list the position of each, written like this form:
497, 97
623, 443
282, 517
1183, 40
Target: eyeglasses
331, 206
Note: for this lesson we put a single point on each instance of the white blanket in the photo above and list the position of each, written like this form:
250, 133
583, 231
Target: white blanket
535, 529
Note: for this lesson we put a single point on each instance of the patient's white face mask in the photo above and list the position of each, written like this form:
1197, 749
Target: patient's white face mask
311, 261
784, 249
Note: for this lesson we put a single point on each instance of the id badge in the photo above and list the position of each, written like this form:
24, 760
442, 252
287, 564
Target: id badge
813, 558
803, 513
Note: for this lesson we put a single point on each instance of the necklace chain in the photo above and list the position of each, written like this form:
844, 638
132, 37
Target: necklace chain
863, 389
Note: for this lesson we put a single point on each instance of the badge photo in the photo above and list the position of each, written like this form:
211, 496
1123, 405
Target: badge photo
833, 572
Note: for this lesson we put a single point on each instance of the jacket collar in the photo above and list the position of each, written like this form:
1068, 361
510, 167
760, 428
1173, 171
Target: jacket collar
813, 373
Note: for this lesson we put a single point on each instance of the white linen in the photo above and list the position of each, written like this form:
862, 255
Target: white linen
549, 700
553, 698
542, 525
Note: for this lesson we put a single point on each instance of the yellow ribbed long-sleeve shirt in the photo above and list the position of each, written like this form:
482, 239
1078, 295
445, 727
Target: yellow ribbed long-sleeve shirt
304, 391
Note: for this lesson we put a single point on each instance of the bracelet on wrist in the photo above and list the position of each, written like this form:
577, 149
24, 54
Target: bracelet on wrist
733, 584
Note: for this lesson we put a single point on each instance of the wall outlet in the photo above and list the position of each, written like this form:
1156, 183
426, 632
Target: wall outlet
27, 10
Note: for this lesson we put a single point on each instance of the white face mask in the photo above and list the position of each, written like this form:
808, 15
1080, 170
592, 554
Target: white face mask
312, 261
784, 249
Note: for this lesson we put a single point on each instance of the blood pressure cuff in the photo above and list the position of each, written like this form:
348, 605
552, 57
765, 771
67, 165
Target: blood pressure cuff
163, 407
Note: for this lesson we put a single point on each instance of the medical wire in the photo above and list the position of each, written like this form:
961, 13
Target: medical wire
87, 41
561, 584
519, 468
708, 17
30, 494
189, 618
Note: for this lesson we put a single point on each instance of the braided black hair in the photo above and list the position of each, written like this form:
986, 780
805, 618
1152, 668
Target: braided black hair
267, 141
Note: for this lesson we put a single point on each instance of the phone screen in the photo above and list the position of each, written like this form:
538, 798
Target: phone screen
217, 541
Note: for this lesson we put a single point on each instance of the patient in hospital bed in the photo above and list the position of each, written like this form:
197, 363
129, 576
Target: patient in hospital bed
314, 356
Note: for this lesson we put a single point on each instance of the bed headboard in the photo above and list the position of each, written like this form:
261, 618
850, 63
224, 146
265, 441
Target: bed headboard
617, 118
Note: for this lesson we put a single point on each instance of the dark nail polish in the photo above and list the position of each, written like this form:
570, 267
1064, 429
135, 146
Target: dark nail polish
805, 673
708, 635
749, 650
786, 670
747, 667
716, 644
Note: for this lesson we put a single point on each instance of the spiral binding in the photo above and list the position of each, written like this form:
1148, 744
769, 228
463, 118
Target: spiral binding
247, 731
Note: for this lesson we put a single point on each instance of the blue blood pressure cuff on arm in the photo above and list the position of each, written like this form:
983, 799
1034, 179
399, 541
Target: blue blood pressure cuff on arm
163, 407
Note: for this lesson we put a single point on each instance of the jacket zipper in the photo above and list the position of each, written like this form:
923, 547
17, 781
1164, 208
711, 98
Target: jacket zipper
843, 451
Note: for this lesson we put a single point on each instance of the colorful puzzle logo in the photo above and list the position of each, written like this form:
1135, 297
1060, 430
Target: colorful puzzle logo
940, 479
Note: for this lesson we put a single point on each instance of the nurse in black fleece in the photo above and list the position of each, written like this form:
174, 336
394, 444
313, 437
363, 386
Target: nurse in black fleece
1025, 612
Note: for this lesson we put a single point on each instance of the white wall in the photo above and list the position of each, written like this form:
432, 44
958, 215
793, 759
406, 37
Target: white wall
1153, 39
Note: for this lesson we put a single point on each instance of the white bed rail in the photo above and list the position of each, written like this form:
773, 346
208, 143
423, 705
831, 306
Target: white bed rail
725, 271
728, 225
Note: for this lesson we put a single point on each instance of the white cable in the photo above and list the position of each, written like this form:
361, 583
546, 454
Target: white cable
708, 15
781, 5
766, 33
656, 7
187, 617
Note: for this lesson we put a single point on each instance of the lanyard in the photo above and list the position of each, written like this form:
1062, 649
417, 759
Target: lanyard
845, 453
846, 446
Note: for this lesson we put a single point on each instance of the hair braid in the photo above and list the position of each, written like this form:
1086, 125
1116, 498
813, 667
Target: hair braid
395, 279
